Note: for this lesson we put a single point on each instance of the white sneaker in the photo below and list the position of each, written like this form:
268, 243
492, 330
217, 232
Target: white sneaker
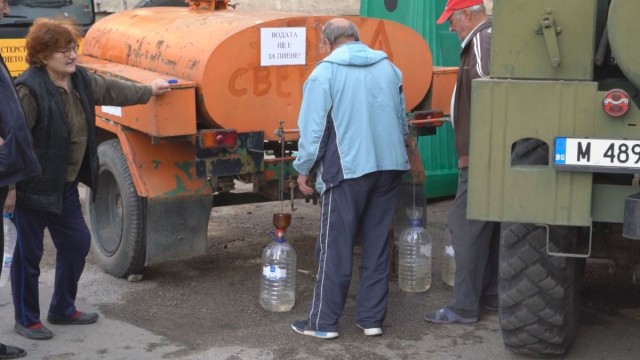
376, 331
301, 327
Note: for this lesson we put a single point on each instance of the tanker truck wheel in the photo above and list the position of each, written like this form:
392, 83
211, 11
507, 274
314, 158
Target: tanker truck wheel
117, 215
538, 292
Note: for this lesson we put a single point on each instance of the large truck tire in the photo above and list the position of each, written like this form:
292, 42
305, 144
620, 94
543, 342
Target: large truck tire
117, 215
538, 292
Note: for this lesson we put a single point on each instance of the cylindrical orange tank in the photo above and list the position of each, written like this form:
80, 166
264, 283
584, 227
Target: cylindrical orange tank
221, 51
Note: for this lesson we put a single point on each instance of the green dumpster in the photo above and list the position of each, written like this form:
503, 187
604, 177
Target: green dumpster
438, 152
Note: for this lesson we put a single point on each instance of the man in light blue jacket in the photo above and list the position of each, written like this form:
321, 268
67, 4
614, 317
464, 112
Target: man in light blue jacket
352, 138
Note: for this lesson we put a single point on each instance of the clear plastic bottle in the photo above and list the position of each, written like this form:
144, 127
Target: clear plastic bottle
414, 263
448, 261
278, 284
10, 237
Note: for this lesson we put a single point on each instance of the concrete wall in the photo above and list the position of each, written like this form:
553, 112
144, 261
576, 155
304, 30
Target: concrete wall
332, 7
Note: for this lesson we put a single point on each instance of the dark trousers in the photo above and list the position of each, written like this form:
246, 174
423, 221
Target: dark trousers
71, 238
356, 208
3, 196
476, 246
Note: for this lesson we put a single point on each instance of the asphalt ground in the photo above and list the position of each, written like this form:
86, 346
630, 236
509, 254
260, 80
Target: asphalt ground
207, 307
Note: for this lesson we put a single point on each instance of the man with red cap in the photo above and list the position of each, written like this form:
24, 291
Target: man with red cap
475, 243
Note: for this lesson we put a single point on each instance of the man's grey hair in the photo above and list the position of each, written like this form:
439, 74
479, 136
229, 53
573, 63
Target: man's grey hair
472, 9
333, 32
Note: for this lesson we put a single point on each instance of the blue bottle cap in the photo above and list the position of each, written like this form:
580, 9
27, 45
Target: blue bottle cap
172, 81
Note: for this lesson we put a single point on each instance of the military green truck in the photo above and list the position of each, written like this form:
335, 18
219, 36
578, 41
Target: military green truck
555, 147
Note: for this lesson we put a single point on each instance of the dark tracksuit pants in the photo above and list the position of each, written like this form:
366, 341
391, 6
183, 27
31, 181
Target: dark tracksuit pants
356, 208
476, 246
71, 238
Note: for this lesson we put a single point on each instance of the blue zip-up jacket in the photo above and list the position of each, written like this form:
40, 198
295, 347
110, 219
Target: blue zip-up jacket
352, 119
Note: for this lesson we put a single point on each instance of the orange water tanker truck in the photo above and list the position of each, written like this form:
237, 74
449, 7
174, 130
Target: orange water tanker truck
231, 115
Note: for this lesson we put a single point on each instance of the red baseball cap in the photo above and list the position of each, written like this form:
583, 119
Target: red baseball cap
453, 5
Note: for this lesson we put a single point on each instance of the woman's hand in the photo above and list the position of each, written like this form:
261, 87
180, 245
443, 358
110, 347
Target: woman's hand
10, 203
159, 87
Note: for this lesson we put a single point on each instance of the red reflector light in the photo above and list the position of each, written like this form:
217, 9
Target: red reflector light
430, 118
218, 139
616, 103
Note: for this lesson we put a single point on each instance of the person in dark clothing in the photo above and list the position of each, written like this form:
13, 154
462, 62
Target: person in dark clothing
17, 158
475, 243
353, 129
58, 98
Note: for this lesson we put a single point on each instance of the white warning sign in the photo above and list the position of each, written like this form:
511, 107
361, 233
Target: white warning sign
283, 46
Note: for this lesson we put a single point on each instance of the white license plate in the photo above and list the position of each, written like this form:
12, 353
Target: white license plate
594, 154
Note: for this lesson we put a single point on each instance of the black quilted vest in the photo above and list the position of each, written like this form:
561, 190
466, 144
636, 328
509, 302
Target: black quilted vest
51, 140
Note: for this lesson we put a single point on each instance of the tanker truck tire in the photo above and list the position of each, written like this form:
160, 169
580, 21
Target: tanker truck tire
538, 292
117, 215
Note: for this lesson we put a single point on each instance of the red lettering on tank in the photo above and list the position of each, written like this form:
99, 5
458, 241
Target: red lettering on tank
286, 81
380, 40
303, 74
261, 81
233, 79
315, 50
281, 77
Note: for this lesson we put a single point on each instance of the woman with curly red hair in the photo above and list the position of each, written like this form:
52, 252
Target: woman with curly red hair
58, 97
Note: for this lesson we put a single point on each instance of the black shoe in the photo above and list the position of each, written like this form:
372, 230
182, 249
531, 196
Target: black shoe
489, 303
34, 331
11, 352
79, 318
488, 307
